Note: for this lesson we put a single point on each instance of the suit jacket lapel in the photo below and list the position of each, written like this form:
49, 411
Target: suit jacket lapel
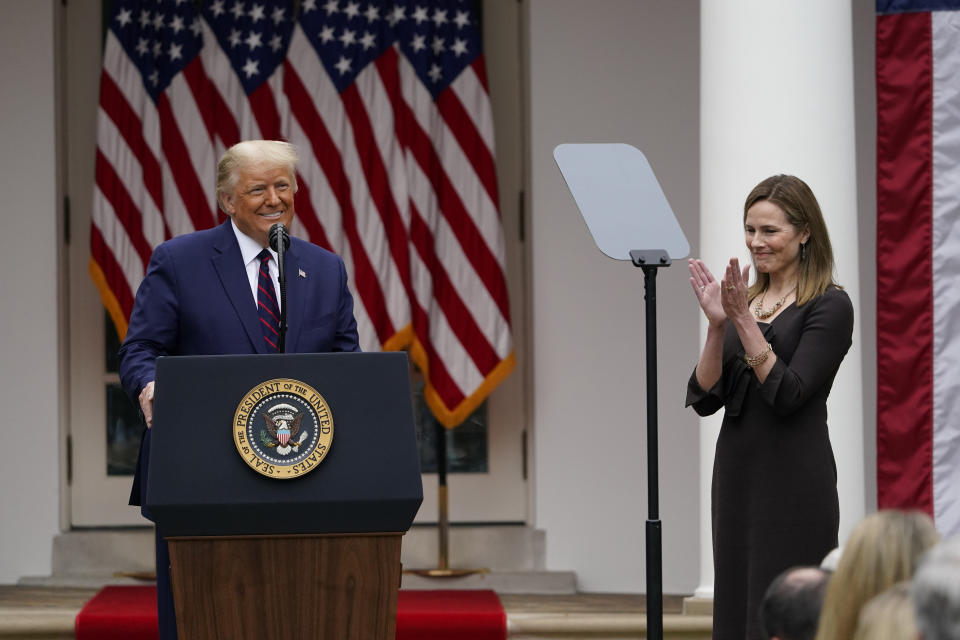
297, 292
228, 262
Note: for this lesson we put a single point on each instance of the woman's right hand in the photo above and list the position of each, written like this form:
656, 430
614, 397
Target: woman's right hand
707, 290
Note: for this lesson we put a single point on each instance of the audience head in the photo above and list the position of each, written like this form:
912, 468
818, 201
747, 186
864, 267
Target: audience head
791, 606
883, 549
829, 562
888, 616
936, 592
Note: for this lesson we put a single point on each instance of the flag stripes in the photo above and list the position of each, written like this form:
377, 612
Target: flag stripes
387, 104
918, 244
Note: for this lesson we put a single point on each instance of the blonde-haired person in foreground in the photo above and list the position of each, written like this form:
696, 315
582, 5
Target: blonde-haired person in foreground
888, 616
885, 548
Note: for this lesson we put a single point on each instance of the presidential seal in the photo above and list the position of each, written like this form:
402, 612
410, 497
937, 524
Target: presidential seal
283, 428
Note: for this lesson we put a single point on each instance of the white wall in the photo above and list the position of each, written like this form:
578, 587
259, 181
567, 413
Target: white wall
29, 368
611, 71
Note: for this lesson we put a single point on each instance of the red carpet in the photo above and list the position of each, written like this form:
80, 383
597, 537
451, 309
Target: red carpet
119, 613
130, 613
440, 615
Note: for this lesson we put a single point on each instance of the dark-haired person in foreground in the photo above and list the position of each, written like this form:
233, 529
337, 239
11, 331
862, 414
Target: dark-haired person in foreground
791, 606
205, 292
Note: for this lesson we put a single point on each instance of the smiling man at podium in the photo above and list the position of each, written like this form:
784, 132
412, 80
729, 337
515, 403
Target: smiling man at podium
216, 292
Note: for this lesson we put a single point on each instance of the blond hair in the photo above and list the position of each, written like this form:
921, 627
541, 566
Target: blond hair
250, 153
883, 549
888, 616
802, 210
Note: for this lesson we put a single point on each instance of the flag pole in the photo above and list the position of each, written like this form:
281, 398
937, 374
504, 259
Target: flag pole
443, 570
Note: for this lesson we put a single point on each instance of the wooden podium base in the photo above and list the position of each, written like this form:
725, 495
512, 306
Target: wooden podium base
325, 587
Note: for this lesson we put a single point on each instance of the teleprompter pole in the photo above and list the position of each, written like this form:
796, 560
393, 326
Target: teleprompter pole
650, 261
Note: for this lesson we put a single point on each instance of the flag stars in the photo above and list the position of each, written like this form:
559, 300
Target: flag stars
349, 37
175, 52
343, 65
420, 15
418, 43
257, 13
440, 17
217, 9
154, 78
235, 38
144, 19
177, 24
278, 15
307, 6
143, 48
372, 14
352, 10
398, 14
158, 21
237, 10
276, 43
369, 41
462, 19
459, 47
252, 68
196, 28
157, 49
436, 73
124, 17
331, 7
437, 46
254, 40
326, 34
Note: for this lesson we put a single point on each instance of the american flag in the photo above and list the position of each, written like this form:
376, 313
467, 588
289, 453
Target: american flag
387, 104
918, 242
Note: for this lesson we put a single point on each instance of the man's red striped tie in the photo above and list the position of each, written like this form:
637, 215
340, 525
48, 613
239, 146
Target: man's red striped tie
267, 305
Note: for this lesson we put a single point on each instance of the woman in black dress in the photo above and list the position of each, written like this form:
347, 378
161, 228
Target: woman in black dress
772, 351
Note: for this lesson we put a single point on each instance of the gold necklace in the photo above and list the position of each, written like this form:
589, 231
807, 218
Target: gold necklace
763, 315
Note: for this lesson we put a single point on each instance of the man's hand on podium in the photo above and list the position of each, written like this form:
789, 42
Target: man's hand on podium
146, 403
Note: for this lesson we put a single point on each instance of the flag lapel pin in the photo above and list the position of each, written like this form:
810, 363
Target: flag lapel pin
301, 273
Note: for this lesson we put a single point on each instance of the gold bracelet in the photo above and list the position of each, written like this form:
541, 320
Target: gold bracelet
760, 358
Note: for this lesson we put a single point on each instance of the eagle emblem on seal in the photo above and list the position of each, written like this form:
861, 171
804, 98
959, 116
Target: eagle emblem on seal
283, 429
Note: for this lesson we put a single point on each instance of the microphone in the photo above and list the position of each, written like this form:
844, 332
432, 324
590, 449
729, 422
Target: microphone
278, 231
280, 242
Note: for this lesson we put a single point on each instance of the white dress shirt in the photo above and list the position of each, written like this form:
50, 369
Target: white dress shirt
250, 249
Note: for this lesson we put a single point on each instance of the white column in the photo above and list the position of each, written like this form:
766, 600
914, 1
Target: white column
776, 86
30, 366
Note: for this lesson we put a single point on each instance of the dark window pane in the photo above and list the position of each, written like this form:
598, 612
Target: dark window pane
112, 344
466, 444
123, 433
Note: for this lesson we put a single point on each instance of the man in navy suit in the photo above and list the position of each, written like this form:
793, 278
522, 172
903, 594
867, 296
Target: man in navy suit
199, 297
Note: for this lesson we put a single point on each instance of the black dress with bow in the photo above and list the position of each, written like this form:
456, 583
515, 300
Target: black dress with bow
774, 496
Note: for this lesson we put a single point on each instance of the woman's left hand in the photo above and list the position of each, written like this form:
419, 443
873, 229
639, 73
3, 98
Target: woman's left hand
733, 290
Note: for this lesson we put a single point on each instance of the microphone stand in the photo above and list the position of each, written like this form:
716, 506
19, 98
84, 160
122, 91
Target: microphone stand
282, 277
279, 241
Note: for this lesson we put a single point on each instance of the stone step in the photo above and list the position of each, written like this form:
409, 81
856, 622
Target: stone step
510, 559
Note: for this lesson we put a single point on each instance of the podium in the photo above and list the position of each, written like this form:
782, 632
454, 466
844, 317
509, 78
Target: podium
274, 552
